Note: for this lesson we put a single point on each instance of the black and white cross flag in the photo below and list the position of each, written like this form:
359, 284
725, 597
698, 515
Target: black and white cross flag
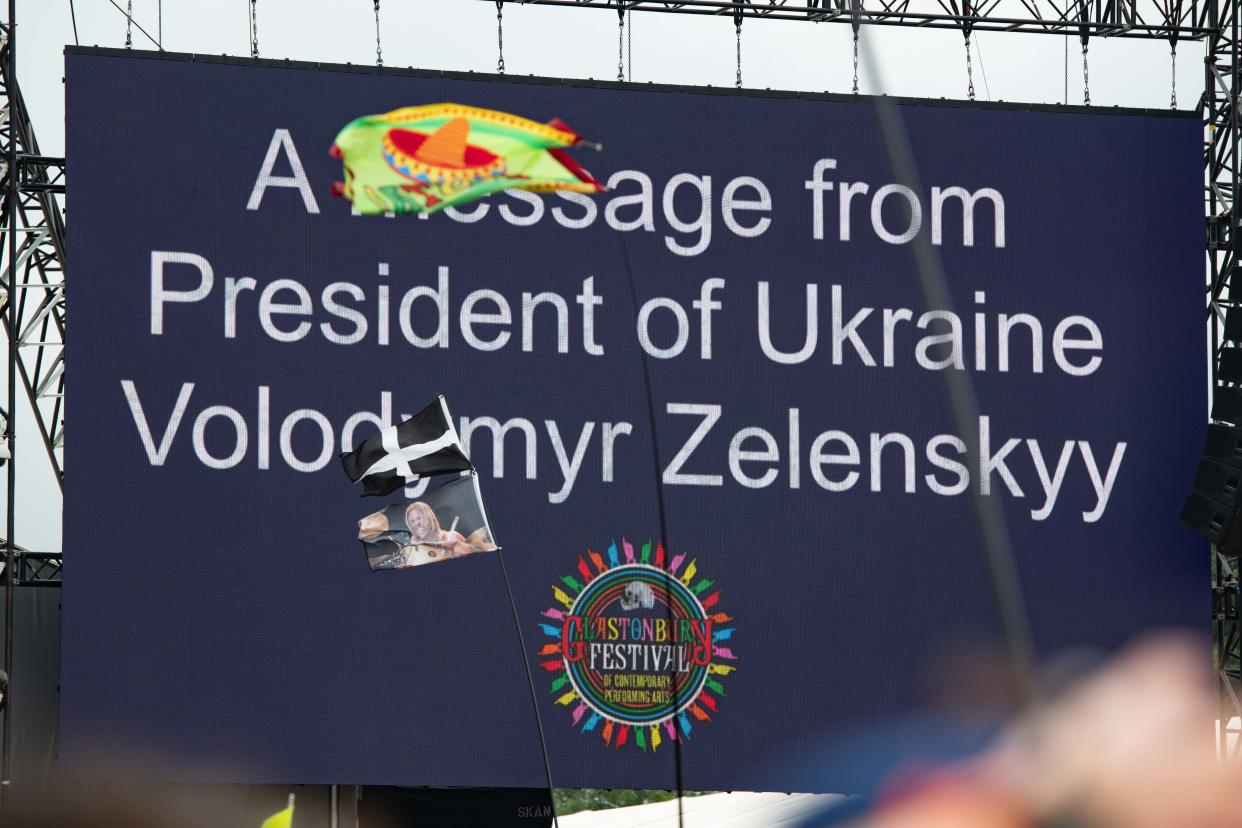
423, 445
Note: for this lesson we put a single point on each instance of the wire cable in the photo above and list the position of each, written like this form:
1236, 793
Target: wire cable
983, 70
73, 16
137, 25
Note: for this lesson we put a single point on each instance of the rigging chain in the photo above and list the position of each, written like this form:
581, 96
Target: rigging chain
737, 25
254, 29
129, 25
500, 36
1173, 77
620, 44
855, 61
1086, 79
970, 74
379, 49
629, 46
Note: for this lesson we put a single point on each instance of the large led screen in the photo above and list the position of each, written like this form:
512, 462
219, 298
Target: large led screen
235, 328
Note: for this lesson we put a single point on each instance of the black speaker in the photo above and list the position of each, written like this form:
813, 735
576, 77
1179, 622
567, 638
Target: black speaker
1233, 316
1216, 481
1227, 404
1229, 364
1213, 506
1224, 443
1207, 517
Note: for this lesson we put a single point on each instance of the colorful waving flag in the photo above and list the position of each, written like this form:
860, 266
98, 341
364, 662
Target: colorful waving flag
421, 159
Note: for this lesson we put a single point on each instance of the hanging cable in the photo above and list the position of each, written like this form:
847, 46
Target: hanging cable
159, 24
1086, 79
970, 75
379, 49
1066, 99
129, 25
254, 29
73, 16
1173, 76
620, 44
983, 69
737, 26
500, 36
136, 25
629, 45
855, 61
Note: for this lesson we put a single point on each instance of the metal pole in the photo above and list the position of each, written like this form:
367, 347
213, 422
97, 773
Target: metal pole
530, 680
664, 538
14, 120
1015, 620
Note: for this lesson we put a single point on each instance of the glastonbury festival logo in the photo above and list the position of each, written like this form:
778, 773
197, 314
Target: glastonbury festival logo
640, 648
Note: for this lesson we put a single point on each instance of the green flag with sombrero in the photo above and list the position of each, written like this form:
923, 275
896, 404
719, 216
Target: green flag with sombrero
421, 159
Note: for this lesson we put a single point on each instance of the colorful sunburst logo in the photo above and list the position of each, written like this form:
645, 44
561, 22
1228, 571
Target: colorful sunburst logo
641, 648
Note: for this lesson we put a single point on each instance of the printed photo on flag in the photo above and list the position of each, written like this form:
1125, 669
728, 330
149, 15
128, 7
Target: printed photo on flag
449, 522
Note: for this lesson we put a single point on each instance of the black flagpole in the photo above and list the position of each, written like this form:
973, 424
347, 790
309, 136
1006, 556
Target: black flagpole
530, 681
659, 481
963, 407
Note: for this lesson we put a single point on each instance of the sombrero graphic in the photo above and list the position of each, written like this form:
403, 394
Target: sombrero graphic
444, 154
425, 158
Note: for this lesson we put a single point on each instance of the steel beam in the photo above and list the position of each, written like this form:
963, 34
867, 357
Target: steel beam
1151, 19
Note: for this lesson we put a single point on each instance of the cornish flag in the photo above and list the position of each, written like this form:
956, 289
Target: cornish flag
423, 445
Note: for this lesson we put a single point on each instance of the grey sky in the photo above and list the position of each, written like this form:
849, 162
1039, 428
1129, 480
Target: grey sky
564, 42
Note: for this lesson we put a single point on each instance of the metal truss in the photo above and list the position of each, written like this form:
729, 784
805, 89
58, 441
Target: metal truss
1227, 665
37, 219
33, 569
1222, 82
1152, 19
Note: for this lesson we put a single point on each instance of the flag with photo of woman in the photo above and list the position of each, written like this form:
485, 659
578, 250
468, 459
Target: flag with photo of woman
448, 522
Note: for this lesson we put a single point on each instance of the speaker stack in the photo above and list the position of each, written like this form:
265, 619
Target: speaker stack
1213, 506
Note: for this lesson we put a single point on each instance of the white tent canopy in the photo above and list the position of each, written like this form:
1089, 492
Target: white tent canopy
722, 810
